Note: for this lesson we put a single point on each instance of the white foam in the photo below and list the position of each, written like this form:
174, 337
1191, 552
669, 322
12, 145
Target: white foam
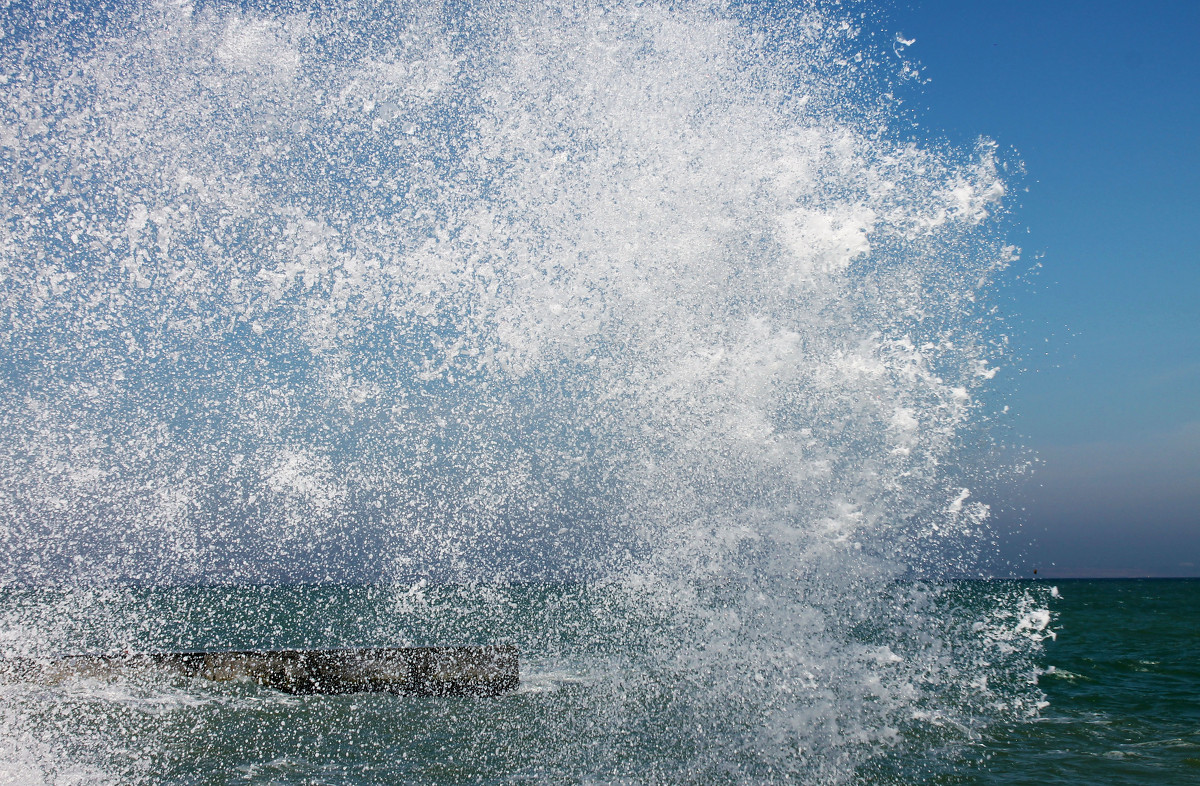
259, 46
657, 295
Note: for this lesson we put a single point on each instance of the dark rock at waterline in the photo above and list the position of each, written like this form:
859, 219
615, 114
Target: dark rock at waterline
425, 671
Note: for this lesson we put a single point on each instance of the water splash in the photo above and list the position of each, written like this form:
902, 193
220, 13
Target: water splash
658, 297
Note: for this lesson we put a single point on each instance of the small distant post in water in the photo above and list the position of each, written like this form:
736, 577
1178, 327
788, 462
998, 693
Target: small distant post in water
489, 670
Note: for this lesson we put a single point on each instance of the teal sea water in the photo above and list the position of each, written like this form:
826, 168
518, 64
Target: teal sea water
1120, 682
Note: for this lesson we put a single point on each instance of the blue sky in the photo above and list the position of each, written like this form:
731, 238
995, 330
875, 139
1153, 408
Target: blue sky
1101, 101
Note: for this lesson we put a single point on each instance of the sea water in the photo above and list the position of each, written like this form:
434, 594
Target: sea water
1121, 685
597, 702
651, 337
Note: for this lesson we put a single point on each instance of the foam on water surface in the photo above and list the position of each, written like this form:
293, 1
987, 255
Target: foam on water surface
659, 297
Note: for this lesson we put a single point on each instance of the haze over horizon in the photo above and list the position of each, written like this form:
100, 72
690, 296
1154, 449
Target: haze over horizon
1101, 102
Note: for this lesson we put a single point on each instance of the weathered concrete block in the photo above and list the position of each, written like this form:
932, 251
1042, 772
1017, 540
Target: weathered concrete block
426, 671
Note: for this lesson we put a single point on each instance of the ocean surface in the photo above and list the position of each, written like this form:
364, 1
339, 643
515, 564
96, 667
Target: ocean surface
1121, 686
1122, 682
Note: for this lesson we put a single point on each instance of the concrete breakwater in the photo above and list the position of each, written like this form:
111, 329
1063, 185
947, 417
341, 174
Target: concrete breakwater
488, 670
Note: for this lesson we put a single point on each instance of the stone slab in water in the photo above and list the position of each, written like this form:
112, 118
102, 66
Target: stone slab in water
427, 671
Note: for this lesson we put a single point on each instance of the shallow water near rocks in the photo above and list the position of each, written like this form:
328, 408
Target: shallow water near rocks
597, 702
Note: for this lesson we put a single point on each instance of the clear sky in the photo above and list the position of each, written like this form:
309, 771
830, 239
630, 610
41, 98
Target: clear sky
1101, 101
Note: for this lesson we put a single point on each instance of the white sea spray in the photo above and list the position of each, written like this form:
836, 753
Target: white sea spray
657, 296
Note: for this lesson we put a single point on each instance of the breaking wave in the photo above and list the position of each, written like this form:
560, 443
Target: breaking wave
660, 297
